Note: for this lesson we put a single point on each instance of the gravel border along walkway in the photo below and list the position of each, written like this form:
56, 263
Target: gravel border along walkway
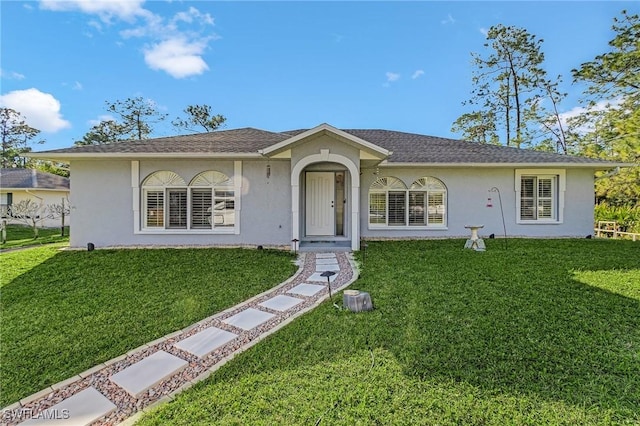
129, 409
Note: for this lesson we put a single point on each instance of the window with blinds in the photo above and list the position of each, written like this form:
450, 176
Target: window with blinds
378, 208
207, 202
537, 197
154, 212
392, 204
201, 208
177, 214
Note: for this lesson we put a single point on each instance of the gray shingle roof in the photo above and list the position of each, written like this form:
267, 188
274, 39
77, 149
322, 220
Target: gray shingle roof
32, 179
415, 148
246, 140
406, 147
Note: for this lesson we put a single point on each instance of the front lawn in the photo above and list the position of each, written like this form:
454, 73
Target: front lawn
65, 312
545, 332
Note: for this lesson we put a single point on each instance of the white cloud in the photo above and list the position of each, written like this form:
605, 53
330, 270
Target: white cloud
95, 25
40, 110
392, 76
484, 31
177, 57
599, 106
101, 118
417, 74
77, 86
173, 49
11, 75
448, 20
106, 10
193, 14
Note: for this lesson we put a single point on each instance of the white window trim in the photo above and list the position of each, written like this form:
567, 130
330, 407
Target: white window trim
407, 191
140, 201
188, 230
561, 174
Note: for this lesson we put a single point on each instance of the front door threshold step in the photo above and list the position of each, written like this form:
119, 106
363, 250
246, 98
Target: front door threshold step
148, 372
325, 256
249, 319
206, 341
83, 408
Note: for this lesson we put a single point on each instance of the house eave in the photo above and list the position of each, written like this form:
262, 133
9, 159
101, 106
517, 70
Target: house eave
594, 166
67, 157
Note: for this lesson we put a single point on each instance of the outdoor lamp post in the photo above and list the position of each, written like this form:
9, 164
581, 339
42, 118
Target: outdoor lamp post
328, 274
295, 245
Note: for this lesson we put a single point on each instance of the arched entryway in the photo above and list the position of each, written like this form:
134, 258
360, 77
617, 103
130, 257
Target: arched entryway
313, 205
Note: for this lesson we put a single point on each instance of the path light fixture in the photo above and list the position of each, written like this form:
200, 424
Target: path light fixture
328, 274
295, 245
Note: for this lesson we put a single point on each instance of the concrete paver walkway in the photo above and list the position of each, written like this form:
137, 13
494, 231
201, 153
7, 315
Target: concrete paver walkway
115, 391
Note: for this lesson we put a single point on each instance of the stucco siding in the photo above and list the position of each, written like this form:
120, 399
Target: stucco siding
104, 197
103, 201
468, 191
334, 146
101, 197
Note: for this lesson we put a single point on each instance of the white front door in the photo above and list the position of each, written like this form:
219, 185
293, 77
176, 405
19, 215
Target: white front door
320, 203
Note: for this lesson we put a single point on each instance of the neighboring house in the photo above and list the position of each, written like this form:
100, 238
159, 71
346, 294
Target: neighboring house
255, 187
28, 184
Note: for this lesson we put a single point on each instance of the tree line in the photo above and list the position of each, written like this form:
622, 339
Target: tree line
514, 102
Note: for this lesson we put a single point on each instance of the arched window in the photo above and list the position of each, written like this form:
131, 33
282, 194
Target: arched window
387, 202
392, 204
164, 195
427, 202
212, 201
207, 202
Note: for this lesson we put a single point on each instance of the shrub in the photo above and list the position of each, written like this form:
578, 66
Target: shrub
627, 217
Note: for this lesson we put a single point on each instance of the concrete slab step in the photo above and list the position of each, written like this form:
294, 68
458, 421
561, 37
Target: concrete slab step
281, 302
317, 277
328, 267
249, 318
325, 256
206, 341
83, 408
306, 289
148, 372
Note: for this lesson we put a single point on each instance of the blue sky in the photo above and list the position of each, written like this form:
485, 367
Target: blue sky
274, 65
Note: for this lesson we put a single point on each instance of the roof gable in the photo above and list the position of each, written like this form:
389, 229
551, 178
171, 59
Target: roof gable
325, 129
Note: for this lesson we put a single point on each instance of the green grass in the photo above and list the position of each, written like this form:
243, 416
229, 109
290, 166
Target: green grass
22, 236
544, 333
65, 312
